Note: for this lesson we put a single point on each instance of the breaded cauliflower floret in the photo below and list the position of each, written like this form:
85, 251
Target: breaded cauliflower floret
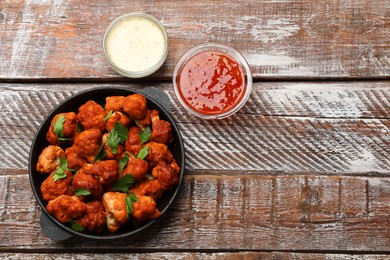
75, 161
166, 175
133, 142
49, 159
144, 209
116, 212
114, 103
151, 188
110, 155
51, 189
65, 208
117, 117
161, 129
158, 152
87, 144
105, 171
82, 180
135, 106
69, 130
136, 167
146, 121
92, 116
94, 218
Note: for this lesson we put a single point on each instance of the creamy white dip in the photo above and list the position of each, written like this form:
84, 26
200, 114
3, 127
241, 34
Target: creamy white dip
135, 44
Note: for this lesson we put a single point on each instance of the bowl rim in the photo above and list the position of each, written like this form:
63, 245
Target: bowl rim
49, 117
138, 73
225, 49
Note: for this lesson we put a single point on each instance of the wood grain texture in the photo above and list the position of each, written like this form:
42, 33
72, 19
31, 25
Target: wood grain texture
280, 39
308, 163
230, 212
328, 128
205, 256
300, 172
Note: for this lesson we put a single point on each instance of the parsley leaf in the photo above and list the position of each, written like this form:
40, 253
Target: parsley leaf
122, 131
129, 203
113, 140
59, 126
143, 153
65, 139
117, 135
108, 115
145, 135
59, 129
60, 172
123, 161
101, 154
80, 192
123, 183
76, 226
79, 127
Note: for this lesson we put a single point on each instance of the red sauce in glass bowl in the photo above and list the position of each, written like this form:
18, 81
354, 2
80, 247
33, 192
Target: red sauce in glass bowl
211, 83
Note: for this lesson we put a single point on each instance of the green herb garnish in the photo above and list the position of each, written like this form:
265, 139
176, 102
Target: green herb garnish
64, 139
82, 192
123, 161
76, 226
60, 172
79, 127
117, 135
113, 140
123, 184
59, 128
129, 203
108, 115
143, 153
101, 154
145, 135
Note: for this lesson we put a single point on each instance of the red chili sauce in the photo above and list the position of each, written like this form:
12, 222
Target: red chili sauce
211, 83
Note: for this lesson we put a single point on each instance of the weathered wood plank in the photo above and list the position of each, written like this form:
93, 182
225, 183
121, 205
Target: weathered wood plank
285, 127
205, 256
231, 212
312, 39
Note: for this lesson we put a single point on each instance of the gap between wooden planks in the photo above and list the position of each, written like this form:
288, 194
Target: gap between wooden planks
248, 255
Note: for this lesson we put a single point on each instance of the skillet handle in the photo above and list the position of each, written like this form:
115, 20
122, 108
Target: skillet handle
159, 96
51, 230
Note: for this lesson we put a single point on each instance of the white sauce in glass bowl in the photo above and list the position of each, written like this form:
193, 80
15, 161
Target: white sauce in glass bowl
135, 44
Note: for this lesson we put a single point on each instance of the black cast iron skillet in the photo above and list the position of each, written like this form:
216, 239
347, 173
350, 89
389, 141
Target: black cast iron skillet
156, 99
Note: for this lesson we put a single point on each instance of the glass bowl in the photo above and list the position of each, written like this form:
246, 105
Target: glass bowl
135, 45
212, 80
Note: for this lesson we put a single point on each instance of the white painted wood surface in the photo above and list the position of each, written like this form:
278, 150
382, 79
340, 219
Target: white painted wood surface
300, 164
280, 39
286, 127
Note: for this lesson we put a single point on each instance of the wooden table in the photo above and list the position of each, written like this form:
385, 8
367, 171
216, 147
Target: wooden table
300, 172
